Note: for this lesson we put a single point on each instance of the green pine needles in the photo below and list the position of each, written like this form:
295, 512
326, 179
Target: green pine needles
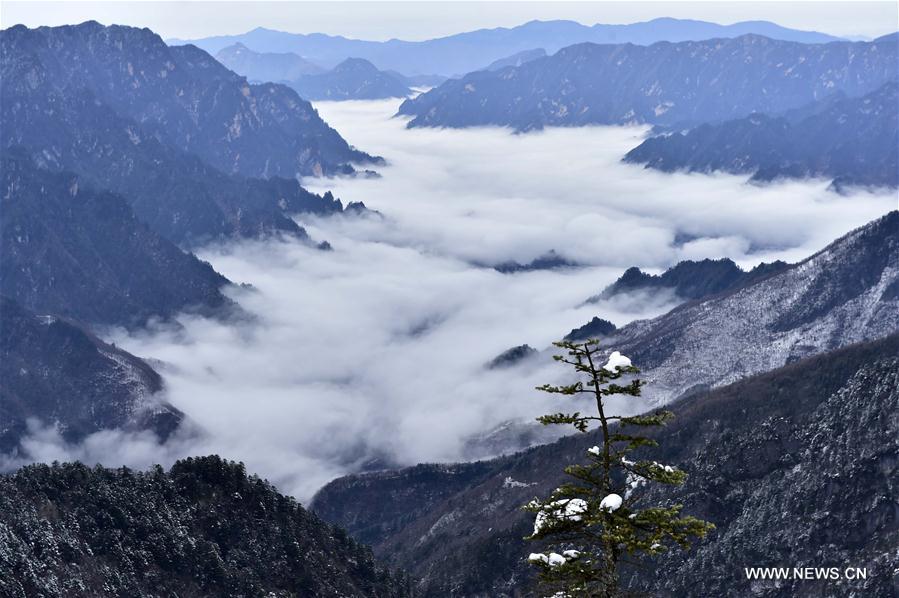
592, 523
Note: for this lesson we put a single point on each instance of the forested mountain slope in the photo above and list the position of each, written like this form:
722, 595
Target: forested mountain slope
204, 528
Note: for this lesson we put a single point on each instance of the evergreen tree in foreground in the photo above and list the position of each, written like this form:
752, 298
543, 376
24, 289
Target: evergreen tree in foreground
596, 520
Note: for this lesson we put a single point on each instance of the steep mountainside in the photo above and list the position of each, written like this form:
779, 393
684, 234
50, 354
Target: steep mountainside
705, 81
854, 141
848, 292
73, 128
181, 96
73, 251
352, 79
795, 467
469, 51
690, 280
60, 374
270, 66
204, 528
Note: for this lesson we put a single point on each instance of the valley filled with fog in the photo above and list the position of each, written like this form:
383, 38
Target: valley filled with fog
374, 354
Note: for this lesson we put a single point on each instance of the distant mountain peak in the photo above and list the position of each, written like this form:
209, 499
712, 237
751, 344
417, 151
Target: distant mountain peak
355, 65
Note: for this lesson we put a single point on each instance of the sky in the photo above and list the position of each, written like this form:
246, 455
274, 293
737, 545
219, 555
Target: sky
424, 20
375, 353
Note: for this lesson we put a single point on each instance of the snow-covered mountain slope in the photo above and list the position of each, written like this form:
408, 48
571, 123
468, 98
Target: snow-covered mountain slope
846, 293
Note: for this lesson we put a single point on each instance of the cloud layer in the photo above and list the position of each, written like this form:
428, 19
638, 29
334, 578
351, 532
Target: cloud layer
373, 354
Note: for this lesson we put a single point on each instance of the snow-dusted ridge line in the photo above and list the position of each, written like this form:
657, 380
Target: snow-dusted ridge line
840, 295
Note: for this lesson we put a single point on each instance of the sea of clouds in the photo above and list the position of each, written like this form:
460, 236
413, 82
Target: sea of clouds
374, 354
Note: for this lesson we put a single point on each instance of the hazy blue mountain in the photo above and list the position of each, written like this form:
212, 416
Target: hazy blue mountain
60, 374
851, 140
469, 51
203, 528
352, 79
517, 59
793, 465
271, 66
180, 95
665, 83
74, 251
690, 280
119, 142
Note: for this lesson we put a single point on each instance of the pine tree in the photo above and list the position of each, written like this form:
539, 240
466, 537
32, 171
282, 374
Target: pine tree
594, 522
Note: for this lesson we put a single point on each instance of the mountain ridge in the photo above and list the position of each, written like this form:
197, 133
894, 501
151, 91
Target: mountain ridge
468, 51
662, 84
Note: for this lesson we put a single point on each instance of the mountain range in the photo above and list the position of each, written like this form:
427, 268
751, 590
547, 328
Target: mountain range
203, 528
664, 83
852, 140
795, 467
467, 52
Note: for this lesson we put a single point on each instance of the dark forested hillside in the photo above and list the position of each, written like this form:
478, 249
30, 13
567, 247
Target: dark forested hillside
204, 528
665, 83
854, 141
73, 251
61, 375
796, 467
